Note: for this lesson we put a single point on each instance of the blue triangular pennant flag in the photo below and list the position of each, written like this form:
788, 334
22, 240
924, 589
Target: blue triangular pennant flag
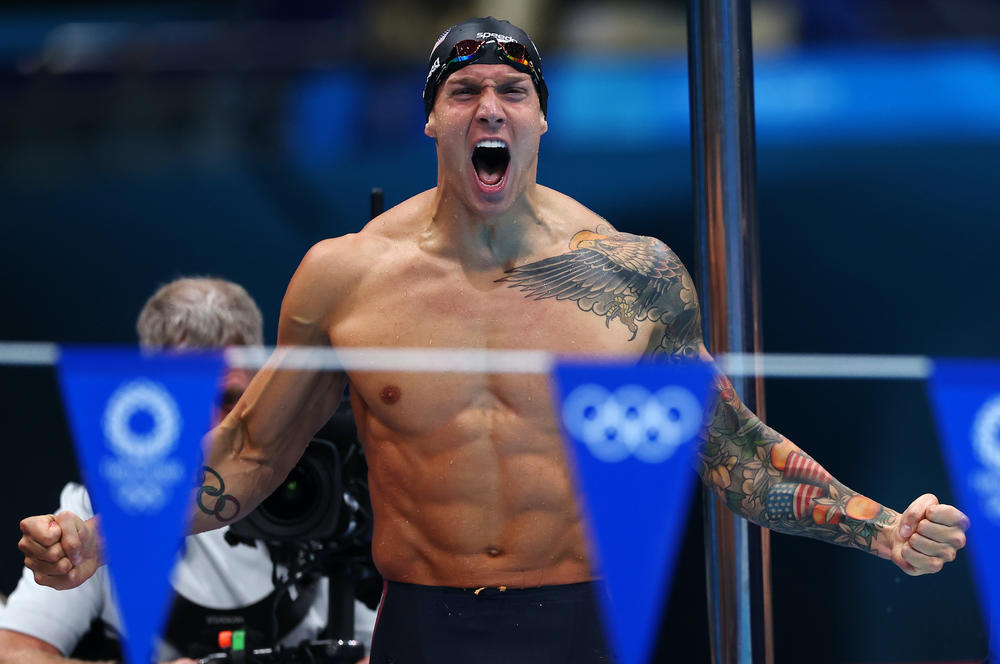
966, 398
138, 421
631, 430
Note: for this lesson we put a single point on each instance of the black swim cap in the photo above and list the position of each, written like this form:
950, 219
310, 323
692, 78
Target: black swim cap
495, 37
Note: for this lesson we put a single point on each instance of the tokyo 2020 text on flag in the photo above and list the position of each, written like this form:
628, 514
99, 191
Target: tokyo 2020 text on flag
138, 421
632, 431
966, 399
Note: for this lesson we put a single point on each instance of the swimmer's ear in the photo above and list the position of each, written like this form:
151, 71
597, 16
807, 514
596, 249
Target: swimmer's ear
430, 129
545, 123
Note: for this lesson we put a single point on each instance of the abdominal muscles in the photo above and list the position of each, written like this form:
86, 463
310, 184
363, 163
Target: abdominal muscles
486, 499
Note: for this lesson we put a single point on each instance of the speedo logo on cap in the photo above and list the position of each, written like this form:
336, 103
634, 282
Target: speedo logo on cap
494, 35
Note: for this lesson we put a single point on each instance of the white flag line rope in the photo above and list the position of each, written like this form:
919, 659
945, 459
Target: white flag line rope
449, 360
28, 353
473, 360
795, 365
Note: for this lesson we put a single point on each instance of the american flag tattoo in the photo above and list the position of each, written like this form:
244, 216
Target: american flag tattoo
791, 501
801, 468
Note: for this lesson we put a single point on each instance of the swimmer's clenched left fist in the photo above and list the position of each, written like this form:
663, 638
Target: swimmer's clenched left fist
62, 550
927, 535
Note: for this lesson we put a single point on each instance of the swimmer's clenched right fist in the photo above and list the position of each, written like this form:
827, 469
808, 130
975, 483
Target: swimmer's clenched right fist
63, 550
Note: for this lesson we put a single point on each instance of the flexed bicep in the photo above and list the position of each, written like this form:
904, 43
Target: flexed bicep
286, 402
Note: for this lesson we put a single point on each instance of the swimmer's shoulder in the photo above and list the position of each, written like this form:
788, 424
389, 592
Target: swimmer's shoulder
336, 269
377, 240
571, 214
325, 284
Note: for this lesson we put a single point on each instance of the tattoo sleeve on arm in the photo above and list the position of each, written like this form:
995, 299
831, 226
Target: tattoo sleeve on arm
766, 478
225, 507
758, 472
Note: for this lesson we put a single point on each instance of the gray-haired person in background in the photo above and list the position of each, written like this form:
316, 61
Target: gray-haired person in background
39, 625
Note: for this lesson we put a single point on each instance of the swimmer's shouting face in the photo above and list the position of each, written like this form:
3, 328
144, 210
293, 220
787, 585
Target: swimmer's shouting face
487, 121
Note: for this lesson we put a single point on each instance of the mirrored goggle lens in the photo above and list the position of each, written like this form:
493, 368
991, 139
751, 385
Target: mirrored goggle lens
516, 53
467, 47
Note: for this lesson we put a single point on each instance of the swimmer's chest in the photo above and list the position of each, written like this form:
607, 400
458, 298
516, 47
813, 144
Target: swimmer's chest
450, 311
453, 311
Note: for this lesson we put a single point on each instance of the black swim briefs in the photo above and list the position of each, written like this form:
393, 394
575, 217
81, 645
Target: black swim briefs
435, 625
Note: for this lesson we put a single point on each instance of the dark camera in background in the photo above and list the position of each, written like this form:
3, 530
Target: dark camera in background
319, 521
310, 505
324, 501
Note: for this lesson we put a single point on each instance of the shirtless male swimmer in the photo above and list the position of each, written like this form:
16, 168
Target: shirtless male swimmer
467, 472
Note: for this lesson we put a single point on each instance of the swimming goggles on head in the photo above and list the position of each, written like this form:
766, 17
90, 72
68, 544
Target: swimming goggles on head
511, 51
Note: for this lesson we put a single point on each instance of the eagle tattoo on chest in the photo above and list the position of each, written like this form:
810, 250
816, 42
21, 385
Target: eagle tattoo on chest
618, 276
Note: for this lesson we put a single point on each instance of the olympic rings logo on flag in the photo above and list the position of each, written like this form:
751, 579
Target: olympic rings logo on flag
986, 443
142, 396
141, 474
986, 433
631, 421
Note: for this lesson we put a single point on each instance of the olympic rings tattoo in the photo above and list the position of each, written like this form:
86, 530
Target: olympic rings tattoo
222, 499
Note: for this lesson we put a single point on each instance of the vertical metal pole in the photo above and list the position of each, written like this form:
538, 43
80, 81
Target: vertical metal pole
720, 66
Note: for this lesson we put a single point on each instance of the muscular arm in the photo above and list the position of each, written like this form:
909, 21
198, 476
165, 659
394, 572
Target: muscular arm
253, 449
766, 478
769, 480
18, 648
256, 445
260, 441
637, 281
760, 474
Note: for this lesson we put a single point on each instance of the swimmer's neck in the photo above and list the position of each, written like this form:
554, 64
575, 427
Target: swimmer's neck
488, 241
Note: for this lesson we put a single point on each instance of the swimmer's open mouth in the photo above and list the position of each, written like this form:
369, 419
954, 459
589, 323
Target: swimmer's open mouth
490, 158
